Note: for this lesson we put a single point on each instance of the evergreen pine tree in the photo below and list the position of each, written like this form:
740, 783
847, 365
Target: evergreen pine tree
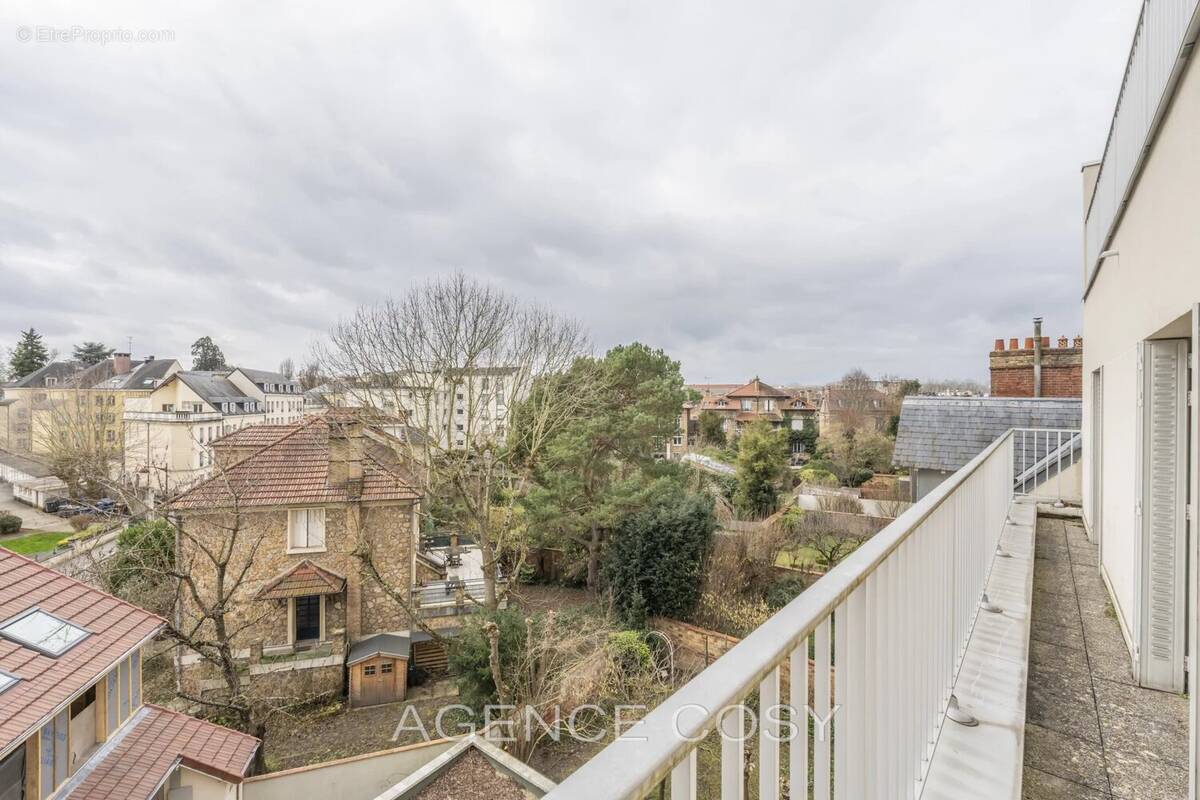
92, 352
28, 356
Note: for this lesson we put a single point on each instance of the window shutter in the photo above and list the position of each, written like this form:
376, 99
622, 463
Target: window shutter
1163, 525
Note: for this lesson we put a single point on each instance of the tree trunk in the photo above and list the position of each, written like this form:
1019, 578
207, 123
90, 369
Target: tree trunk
593, 568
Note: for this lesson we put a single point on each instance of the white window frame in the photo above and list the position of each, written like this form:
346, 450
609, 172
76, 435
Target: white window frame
295, 515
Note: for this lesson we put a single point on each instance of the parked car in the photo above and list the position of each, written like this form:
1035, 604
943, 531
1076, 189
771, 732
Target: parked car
69, 509
52, 505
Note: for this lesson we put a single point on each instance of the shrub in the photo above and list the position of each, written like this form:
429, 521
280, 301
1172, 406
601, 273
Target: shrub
860, 476
815, 476
81, 521
655, 559
785, 591
10, 523
629, 651
468, 653
145, 552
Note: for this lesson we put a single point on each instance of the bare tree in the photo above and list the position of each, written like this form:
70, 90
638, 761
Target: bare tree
287, 368
310, 376
456, 359
855, 397
79, 430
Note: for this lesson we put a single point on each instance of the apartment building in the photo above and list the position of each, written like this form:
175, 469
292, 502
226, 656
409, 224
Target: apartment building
72, 720
168, 432
69, 399
455, 412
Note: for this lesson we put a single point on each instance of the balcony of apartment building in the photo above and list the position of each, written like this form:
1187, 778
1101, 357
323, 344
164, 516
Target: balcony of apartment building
966, 651
184, 416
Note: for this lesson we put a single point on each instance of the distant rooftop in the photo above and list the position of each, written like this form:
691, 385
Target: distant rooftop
944, 433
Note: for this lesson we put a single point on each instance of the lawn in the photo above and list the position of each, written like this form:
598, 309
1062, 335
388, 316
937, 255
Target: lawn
802, 557
32, 543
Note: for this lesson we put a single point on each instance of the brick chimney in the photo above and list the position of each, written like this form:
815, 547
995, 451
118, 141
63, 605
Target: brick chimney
1037, 369
346, 455
121, 363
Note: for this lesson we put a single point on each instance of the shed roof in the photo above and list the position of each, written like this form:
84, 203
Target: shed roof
944, 433
381, 644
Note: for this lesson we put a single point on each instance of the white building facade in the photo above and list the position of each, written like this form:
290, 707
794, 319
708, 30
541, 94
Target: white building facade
1141, 311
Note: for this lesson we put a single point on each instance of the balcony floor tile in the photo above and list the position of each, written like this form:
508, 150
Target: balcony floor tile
1090, 731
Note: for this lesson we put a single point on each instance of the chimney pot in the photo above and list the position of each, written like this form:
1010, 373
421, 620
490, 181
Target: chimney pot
1063, 341
1046, 341
1078, 342
999, 344
1028, 342
1012, 344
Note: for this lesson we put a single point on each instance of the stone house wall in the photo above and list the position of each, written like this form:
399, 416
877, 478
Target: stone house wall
362, 609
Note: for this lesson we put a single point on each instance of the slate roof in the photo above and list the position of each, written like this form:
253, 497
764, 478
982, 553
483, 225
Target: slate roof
305, 578
945, 433
151, 745
213, 387
261, 377
46, 682
62, 370
294, 470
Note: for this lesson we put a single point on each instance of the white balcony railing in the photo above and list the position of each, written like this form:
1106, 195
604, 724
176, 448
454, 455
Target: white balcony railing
873, 648
172, 416
1042, 454
1162, 42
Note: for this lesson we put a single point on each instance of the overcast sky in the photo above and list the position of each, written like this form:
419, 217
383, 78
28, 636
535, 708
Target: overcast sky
784, 189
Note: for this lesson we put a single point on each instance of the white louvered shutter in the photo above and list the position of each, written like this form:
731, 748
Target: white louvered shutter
1163, 509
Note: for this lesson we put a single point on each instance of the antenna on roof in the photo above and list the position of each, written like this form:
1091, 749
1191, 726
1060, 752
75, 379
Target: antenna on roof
130, 348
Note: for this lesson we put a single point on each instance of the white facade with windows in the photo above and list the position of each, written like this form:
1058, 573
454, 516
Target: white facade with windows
1141, 312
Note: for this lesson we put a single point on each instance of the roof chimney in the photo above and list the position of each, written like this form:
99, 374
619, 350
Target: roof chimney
121, 363
1037, 356
346, 456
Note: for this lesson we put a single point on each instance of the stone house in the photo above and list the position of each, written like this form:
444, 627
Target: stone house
320, 517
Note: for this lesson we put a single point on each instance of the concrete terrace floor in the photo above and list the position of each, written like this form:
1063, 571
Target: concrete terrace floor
1090, 732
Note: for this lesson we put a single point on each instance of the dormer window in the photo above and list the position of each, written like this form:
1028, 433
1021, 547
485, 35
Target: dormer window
44, 632
51, 381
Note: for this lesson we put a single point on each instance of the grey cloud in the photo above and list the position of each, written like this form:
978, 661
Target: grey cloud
781, 189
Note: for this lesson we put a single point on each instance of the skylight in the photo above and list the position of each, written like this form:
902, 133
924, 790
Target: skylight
7, 680
44, 632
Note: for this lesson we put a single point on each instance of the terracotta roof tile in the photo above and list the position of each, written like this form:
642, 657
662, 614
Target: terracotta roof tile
46, 682
305, 578
152, 743
757, 388
294, 470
